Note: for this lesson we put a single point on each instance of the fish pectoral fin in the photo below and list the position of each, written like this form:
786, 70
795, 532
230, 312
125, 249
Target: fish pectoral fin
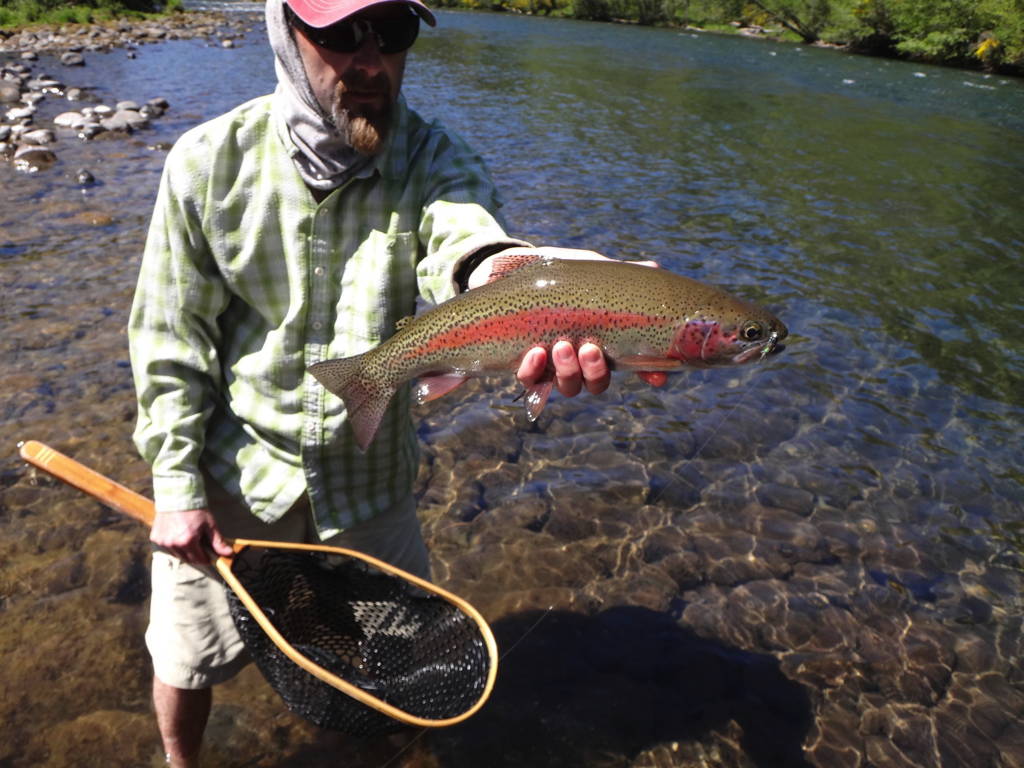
654, 378
648, 363
432, 387
536, 398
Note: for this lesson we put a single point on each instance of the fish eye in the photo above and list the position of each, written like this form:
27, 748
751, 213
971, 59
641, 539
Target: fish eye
752, 331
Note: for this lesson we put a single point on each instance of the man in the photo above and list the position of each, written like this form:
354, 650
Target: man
298, 227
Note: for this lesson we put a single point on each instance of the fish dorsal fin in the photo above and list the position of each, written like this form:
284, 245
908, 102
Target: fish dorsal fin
505, 264
404, 322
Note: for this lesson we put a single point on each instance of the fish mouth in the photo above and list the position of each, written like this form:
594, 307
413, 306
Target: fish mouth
772, 346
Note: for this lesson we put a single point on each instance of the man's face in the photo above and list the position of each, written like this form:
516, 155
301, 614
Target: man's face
357, 89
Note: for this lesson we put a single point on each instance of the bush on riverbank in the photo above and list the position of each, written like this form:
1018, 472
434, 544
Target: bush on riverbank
20, 13
974, 33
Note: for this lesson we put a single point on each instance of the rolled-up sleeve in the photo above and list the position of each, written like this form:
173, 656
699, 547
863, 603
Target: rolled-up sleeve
461, 216
173, 338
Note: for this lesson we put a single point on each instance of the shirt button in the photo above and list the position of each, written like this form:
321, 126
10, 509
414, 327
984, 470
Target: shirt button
317, 325
319, 271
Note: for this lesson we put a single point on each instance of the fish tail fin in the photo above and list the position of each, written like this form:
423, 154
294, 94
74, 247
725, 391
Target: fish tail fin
366, 397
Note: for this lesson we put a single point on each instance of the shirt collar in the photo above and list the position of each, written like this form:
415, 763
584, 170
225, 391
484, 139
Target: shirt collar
393, 159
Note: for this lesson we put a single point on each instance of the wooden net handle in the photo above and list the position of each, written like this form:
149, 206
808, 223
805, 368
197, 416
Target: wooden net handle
111, 493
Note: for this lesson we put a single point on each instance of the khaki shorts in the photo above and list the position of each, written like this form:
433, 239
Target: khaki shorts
191, 636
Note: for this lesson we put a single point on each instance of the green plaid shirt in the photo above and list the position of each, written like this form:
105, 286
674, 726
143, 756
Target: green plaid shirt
246, 281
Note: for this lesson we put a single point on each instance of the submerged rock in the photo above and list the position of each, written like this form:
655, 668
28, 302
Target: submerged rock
9, 92
29, 158
90, 130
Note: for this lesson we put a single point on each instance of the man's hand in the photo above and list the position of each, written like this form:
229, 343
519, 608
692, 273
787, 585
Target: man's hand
189, 535
572, 371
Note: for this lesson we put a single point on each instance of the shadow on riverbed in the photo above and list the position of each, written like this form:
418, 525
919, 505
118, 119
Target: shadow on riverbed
592, 690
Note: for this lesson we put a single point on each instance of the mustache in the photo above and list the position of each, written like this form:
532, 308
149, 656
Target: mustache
361, 82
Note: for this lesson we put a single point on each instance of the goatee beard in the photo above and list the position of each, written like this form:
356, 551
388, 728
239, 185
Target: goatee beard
364, 132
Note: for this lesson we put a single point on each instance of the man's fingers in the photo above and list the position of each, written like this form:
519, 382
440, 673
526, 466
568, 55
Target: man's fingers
220, 544
189, 535
568, 375
572, 370
533, 367
594, 368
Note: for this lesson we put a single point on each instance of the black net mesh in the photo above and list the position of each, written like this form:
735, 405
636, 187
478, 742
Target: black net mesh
402, 645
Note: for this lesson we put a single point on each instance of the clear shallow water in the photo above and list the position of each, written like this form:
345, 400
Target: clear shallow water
814, 561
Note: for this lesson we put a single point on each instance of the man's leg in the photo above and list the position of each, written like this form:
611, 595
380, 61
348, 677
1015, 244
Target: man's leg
181, 716
194, 646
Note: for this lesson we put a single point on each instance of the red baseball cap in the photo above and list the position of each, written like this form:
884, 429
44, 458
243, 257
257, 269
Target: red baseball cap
323, 13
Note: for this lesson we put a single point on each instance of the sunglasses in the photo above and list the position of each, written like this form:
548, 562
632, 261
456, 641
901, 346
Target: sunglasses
392, 35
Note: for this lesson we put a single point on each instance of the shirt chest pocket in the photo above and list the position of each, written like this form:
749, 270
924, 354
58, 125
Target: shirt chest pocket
378, 288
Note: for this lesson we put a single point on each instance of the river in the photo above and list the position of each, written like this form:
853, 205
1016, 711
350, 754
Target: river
817, 560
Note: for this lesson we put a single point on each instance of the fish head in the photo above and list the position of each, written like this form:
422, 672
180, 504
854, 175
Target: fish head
740, 335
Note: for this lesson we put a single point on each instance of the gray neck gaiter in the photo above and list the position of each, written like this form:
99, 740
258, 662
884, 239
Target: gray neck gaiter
325, 160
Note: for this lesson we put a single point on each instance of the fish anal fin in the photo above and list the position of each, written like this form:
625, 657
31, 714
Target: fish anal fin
432, 387
536, 398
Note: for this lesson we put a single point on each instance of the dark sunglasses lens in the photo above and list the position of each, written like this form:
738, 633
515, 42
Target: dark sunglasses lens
348, 36
395, 36
343, 37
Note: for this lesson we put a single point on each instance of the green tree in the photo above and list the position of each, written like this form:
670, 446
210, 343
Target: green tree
1002, 42
806, 18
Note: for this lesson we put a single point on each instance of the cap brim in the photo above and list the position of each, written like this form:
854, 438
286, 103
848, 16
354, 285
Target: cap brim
323, 13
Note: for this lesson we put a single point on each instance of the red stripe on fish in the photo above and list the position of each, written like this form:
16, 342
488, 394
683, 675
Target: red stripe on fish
578, 325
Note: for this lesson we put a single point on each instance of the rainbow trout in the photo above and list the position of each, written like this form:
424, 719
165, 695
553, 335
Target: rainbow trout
644, 319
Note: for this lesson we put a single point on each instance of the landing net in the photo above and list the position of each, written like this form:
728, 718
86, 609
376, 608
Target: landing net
402, 645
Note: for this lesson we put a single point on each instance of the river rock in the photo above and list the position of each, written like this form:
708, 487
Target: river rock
127, 105
39, 136
69, 120
118, 122
74, 94
72, 59
786, 497
31, 158
9, 92
159, 102
21, 113
132, 117
45, 83
90, 130
30, 56
84, 177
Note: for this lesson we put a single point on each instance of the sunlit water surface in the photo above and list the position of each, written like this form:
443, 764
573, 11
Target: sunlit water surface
813, 561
